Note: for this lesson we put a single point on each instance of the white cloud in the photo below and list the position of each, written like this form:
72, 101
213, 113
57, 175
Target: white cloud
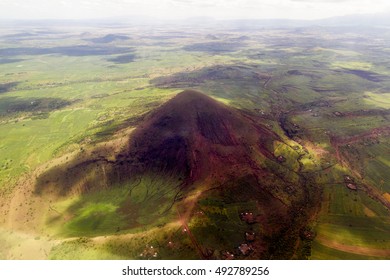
323, 1
304, 9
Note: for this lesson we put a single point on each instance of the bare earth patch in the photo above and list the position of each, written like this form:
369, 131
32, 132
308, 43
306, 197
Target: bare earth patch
369, 212
387, 196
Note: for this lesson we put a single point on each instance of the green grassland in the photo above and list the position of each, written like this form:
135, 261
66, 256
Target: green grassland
102, 96
168, 242
350, 218
57, 97
321, 252
149, 199
380, 100
372, 158
221, 217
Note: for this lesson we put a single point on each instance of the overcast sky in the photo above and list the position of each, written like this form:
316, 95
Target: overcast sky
179, 9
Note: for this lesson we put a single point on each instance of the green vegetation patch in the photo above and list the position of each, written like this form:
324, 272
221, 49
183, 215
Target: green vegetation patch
219, 226
134, 206
351, 218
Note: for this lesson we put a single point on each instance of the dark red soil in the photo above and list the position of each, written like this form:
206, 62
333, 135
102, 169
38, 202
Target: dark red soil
194, 135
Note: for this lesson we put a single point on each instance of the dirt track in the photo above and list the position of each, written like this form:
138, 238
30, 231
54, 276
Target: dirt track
373, 133
336, 142
194, 242
383, 253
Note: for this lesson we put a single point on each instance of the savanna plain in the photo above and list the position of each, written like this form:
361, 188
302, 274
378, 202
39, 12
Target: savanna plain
183, 142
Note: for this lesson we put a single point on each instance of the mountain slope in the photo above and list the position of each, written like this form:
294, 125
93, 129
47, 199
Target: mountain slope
196, 136
209, 167
191, 136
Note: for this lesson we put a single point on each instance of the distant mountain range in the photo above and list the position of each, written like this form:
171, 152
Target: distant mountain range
366, 20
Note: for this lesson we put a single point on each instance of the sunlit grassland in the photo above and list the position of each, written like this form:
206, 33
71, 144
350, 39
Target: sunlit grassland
168, 241
381, 100
376, 163
103, 96
217, 216
291, 156
62, 70
28, 143
339, 126
322, 252
377, 172
350, 218
353, 64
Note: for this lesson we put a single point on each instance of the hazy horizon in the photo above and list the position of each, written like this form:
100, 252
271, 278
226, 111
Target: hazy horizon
182, 9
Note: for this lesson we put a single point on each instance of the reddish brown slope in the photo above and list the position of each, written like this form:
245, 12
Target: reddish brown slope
195, 136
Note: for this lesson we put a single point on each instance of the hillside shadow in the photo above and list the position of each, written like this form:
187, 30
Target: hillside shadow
9, 60
12, 105
6, 87
77, 50
122, 59
109, 38
215, 47
234, 75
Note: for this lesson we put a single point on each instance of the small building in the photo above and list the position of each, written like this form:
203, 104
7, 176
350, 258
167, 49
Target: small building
149, 252
290, 189
348, 179
226, 255
281, 158
170, 245
247, 217
250, 236
245, 249
352, 186
350, 182
308, 234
